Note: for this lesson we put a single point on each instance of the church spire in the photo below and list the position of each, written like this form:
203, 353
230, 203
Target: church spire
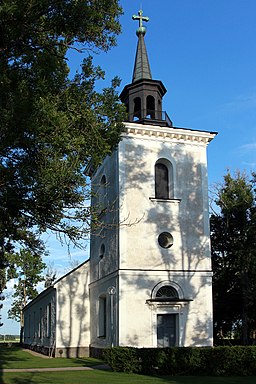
141, 66
143, 97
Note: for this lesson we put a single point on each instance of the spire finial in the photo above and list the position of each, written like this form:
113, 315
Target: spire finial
141, 29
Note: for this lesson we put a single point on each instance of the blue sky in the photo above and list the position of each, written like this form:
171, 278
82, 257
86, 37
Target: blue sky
204, 51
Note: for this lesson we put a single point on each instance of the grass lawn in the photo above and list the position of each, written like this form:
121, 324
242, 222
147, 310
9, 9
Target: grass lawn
10, 341
15, 357
100, 377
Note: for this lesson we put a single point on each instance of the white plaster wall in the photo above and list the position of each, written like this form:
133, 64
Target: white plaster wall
73, 309
97, 289
134, 262
35, 316
143, 263
198, 330
187, 220
138, 318
105, 200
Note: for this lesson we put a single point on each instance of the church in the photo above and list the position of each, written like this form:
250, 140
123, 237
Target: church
148, 281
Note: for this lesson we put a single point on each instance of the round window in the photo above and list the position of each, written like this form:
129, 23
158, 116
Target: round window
165, 240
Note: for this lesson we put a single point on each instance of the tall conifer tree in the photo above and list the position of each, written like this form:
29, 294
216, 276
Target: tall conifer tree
26, 268
233, 239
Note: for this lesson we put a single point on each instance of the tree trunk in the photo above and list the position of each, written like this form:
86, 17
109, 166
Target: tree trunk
245, 308
21, 334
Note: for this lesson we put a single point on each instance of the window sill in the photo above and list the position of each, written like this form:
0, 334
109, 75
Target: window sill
168, 300
165, 200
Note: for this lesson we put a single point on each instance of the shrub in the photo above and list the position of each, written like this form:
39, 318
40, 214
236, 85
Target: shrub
122, 359
218, 361
157, 360
232, 361
189, 360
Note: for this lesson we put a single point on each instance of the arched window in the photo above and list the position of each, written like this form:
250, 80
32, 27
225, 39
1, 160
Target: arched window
161, 181
102, 250
102, 196
103, 181
164, 186
137, 108
49, 320
102, 316
150, 107
167, 292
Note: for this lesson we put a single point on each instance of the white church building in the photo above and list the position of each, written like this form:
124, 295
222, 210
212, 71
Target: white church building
148, 282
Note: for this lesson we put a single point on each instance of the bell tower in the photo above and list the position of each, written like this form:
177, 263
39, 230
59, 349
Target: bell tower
143, 97
150, 260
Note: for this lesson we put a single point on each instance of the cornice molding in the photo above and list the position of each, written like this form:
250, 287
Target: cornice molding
168, 133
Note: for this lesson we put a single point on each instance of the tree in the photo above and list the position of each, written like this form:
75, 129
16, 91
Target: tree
51, 126
50, 275
233, 239
27, 268
2, 287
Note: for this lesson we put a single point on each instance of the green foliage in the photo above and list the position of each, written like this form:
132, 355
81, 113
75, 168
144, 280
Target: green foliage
219, 361
31, 25
171, 361
9, 337
14, 357
158, 360
189, 360
2, 279
233, 242
27, 269
52, 127
122, 359
230, 361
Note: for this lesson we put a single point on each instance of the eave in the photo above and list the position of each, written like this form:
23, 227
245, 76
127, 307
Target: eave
169, 133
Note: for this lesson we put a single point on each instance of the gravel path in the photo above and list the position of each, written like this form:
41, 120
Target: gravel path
100, 367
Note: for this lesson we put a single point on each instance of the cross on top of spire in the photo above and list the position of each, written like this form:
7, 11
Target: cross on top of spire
141, 29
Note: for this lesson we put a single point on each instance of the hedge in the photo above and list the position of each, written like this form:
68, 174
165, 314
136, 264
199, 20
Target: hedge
122, 359
216, 361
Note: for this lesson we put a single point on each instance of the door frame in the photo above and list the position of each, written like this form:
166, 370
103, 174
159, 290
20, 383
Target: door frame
168, 309
176, 343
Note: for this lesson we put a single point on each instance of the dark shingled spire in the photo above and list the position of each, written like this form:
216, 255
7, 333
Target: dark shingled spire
143, 97
141, 66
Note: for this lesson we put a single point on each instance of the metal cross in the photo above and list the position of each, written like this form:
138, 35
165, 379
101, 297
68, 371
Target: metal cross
140, 18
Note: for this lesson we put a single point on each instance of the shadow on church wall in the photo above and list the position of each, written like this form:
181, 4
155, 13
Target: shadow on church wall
73, 313
187, 220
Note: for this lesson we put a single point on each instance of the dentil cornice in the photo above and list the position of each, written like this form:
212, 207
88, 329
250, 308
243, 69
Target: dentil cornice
168, 133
